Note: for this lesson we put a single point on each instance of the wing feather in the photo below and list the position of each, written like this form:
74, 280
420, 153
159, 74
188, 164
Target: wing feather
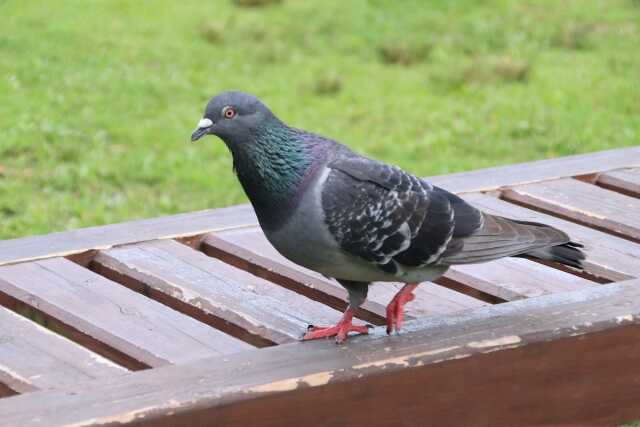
398, 221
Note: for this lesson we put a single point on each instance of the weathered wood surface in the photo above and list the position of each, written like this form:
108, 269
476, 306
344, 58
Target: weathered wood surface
104, 237
565, 358
626, 181
584, 203
32, 357
249, 249
608, 256
231, 299
542, 170
516, 278
109, 318
196, 223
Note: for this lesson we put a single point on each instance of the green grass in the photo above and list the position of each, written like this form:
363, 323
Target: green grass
98, 98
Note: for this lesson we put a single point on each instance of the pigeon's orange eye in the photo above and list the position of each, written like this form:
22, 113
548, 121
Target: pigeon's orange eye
229, 112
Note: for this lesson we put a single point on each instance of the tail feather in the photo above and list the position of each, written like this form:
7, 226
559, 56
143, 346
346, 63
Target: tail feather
567, 254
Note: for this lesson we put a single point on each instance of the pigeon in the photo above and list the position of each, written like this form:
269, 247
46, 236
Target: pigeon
359, 220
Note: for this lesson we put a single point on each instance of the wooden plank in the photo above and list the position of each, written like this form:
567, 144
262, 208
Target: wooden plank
584, 203
512, 364
625, 181
249, 249
516, 278
608, 256
542, 170
32, 357
233, 300
109, 316
104, 237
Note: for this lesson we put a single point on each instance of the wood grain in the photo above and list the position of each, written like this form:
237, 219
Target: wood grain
75, 242
249, 249
608, 256
109, 316
516, 278
238, 302
586, 204
541, 170
512, 364
625, 181
32, 357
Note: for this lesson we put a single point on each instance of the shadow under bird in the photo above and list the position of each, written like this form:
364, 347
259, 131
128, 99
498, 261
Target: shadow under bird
359, 220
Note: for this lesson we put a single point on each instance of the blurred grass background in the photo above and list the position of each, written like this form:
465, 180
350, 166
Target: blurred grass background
98, 98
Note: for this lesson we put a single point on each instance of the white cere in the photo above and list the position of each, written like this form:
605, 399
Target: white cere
204, 123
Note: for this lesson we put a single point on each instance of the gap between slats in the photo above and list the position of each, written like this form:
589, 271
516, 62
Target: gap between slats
58, 327
623, 181
180, 306
128, 329
518, 196
609, 258
230, 299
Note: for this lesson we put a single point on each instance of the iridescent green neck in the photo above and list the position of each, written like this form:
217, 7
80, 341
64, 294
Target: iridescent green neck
271, 166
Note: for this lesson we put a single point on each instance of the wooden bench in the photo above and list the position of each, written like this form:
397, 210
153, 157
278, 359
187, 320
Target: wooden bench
194, 319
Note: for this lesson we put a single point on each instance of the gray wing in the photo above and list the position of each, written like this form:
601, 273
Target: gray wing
398, 221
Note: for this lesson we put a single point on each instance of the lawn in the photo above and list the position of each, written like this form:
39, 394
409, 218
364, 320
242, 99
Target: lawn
98, 98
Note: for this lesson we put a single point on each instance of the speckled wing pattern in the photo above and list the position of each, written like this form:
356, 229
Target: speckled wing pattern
398, 221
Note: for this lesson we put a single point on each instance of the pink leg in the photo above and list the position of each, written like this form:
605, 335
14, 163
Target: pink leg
395, 309
340, 330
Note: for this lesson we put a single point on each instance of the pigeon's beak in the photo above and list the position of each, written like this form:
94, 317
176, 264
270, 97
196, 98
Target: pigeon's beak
202, 129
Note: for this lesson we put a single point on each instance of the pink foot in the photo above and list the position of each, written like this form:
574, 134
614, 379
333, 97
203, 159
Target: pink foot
395, 309
340, 330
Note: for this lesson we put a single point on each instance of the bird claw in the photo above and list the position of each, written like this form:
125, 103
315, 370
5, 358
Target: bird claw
395, 309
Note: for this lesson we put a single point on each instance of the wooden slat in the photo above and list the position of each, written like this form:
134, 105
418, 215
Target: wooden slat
249, 249
516, 278
542, 170
626, 181
254, 309
103, 237
32, 357
608, 256
585, 203
105, 312
561, 359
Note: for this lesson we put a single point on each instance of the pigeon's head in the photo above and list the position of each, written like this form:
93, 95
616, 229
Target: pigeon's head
232, 116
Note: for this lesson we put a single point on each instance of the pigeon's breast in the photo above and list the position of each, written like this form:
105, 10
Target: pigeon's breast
304, 238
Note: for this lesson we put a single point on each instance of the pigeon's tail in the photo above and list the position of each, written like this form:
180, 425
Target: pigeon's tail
567, 254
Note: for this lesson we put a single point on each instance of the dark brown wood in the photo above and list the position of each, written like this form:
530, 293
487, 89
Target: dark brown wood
542, 170
565, 358
76, 242
249, 249
586, 204
608, 256
231, 299
625, 181
32, 357
516, 278
108, 313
